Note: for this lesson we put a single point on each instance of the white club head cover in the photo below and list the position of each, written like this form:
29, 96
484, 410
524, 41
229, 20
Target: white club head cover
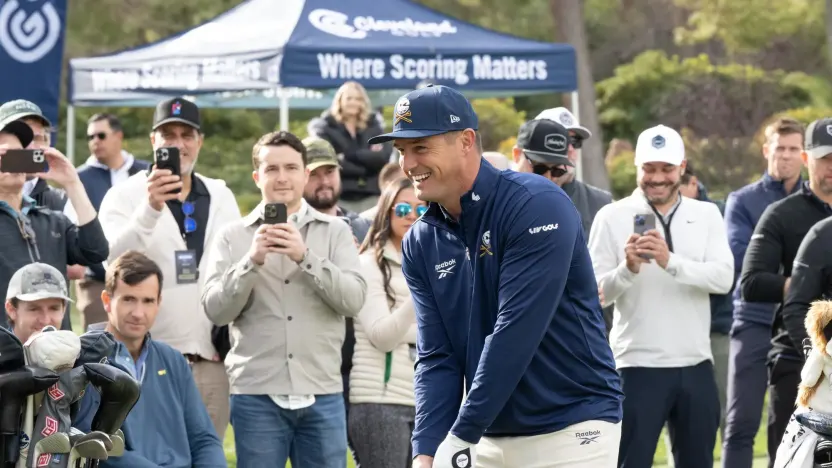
52, 349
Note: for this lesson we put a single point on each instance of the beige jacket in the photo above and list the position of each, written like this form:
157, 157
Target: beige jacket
380, 330
131, 224
286, 319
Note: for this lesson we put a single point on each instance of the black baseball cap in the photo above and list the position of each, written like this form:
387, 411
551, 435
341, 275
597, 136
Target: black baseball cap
819, 138
428, 111
544, 141
177, 109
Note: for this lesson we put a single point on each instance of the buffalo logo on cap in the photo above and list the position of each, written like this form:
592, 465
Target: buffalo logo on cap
829, 129
658, 142
565, 119
403, 111
555, 142
176, 108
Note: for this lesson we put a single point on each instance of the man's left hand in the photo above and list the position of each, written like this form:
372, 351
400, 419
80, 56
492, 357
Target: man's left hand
61, 171
291, 242
454, 452
653, 244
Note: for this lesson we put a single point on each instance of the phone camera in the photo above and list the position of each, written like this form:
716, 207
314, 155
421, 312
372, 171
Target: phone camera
640, 221
37, 156
271, 211
163, 154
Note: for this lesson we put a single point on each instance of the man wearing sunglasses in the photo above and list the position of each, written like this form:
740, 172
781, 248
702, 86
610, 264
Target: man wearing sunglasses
587, 199
172, 220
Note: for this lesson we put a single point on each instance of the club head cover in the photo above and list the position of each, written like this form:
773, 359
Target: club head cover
45, 450
12, 356
53, 349
818, 422
54, 413
119, 393
15, 386
96, 347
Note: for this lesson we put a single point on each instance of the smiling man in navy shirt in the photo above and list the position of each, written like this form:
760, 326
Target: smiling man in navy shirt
506, 305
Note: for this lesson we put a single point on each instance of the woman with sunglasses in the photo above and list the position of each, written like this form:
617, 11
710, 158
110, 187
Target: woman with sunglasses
381, 382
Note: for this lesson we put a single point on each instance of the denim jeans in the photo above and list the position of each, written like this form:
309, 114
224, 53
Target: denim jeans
268, 435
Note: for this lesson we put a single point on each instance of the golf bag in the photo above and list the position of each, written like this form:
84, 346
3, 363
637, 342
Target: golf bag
119, 393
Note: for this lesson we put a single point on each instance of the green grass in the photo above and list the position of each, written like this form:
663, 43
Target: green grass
659, 460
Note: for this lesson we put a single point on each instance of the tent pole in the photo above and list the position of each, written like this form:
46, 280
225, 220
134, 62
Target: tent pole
576, 111
70, 133
284, 109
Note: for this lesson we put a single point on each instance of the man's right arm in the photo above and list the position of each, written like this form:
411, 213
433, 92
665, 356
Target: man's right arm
761, 280
608, 261
739, 227
808, 283
229, 281
127, 226
438, 378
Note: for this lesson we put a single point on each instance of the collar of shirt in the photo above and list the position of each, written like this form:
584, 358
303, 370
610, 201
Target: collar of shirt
28, 203
29, 185
128, 162
771, 183
807, 192
665, 217
137, 367
484, 186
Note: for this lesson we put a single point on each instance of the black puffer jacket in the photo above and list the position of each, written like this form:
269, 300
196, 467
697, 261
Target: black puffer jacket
360, 165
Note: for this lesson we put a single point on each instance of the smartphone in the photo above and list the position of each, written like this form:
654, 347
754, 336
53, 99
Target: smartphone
168, 158
643, 223
24, 161
275, 213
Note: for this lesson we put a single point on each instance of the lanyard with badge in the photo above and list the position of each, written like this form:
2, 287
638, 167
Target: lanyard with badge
187, 269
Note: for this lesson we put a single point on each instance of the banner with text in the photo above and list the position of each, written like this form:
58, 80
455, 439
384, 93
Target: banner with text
31, 52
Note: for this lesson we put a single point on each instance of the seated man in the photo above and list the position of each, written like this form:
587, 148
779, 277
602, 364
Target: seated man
169, 426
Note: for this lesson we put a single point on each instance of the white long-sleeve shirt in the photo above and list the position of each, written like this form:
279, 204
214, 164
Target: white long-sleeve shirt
662, 317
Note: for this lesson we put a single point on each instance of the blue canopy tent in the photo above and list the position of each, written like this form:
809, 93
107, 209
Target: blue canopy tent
295, 53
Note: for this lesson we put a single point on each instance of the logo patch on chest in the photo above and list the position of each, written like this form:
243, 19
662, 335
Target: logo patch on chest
485, 245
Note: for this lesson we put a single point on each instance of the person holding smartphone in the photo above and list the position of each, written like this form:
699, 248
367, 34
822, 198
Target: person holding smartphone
657, 256
171, 213
284, 278
31, 233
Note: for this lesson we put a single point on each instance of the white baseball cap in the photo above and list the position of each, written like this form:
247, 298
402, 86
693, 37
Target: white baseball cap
562, 116
660, 144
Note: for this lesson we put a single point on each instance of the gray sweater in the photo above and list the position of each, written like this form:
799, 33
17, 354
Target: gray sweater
588, 200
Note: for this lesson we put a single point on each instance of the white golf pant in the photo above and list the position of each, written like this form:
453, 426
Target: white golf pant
590, 444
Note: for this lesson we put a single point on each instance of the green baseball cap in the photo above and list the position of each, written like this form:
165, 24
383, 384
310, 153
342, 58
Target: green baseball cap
319, 153
20, 109
37, 281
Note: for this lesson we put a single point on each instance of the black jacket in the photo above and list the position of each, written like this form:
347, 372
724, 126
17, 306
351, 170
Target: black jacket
360, 165
771, 252
45, 236
49, 197
811, 280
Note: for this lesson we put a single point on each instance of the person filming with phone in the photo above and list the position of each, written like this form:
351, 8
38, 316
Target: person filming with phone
284, 278
31, 233
172, 214
657, 256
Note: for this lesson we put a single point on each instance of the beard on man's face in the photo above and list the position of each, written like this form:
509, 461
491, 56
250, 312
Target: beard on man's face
324, 197
672, 189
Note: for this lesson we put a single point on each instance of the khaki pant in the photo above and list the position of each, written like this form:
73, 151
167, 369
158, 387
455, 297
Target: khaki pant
590, 444
88, 299
212, 382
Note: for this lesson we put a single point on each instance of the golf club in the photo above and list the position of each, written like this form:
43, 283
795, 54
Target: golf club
94, 445
15, 386
55, 409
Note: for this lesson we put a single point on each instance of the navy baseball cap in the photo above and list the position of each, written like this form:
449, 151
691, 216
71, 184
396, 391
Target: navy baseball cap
428, 111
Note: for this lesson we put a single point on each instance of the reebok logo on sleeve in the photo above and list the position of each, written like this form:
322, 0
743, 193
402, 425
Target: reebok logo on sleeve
548, 227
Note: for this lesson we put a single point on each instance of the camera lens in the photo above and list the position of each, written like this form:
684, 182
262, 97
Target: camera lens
640, 220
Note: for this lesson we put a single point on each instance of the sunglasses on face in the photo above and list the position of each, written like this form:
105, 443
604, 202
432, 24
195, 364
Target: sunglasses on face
543, 169
576, 141
402, 210
188, 211
100, 135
